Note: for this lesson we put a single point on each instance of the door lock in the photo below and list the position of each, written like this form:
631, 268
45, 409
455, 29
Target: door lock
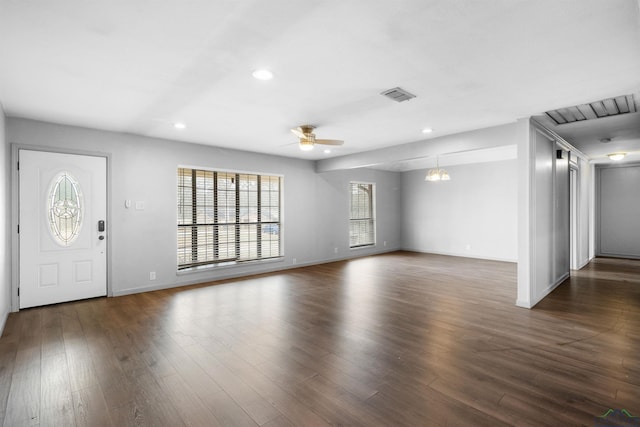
101, 225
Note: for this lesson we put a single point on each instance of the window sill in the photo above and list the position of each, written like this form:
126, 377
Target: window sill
355, 248
228, 265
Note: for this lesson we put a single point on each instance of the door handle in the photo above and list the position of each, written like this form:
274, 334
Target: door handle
101, 237
101, 225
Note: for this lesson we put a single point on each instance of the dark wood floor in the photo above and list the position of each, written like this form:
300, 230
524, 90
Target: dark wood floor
397, 339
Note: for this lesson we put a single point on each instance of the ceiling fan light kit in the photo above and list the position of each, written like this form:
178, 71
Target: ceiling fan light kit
306, 145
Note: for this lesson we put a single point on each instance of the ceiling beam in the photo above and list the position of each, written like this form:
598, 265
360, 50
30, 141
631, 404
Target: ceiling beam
477, 139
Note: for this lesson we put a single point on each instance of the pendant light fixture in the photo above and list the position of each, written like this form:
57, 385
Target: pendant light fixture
437, 174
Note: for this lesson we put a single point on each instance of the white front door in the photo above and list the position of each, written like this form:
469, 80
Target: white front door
62, 226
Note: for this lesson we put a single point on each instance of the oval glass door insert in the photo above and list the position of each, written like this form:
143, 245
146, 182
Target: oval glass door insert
65, 208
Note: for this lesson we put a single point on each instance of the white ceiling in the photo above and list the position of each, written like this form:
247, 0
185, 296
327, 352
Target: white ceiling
139, 66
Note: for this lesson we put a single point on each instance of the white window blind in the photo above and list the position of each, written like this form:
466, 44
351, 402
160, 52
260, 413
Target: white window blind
227, 217
362, 226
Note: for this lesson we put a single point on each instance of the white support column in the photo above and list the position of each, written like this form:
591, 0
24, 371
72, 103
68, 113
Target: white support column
526, 200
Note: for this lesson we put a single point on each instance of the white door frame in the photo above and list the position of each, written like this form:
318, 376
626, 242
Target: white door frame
15, 213
574, 221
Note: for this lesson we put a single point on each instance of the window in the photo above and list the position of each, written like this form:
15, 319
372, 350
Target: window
362, 223
227, 217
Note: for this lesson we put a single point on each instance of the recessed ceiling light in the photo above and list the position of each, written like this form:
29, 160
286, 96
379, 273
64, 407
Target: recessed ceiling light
179, 125
427, 130
616, 156
327, 151
262, 74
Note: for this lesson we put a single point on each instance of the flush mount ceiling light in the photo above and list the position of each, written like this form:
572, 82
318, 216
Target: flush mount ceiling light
179, 125
327, 151
262, 74
427, 130
437, 174
616, 156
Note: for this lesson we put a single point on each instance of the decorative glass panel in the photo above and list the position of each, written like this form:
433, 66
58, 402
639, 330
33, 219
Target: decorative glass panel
65, 209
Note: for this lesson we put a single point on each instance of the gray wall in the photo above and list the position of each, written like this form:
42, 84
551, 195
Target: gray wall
473, 215
5, 214
507, 210
315, 210
618, 204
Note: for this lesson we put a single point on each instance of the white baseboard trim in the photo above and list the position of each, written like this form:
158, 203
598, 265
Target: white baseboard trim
459, 255
3, 321
549, 289
584, 264
624, 256
231, 275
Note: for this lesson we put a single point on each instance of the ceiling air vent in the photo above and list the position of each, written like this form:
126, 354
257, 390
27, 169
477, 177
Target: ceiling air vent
595, 110
397, 94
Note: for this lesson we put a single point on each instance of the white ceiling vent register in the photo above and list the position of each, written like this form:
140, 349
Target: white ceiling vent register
595, 110
397, 94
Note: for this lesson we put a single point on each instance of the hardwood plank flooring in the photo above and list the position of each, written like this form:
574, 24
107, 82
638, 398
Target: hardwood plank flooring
395, 339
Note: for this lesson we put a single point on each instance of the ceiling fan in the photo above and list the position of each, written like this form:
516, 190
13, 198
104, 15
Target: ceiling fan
308, 138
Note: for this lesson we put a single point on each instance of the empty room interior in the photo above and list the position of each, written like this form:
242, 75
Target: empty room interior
313, 213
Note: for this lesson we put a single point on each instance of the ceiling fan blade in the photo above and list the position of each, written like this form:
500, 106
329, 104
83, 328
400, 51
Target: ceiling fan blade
329, 141
297, 132
288, 144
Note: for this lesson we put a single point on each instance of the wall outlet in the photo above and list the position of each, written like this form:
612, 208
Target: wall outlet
385, 243
152, 275
294, 261
468, 246
335, 250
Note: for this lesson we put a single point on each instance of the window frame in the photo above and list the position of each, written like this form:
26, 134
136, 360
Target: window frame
372, 219
237, 224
